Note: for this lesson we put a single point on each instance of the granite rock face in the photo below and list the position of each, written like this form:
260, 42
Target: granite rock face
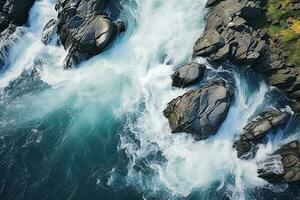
283, 165
200, 112
84, 28
257, 129
188, 74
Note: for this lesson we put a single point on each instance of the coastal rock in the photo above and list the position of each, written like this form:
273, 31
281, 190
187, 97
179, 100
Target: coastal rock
188, 74
84, 29
200, 112
283, 165
257, 129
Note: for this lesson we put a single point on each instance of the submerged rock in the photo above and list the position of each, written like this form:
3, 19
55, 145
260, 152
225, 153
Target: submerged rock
28, 81
283, 165
84, 29
257, 129
199, 112
188, 74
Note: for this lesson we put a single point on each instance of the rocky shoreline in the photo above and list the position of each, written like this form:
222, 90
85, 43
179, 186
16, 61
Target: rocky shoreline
233, 34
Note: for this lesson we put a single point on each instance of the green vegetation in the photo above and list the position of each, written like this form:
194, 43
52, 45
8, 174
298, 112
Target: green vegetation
285, 26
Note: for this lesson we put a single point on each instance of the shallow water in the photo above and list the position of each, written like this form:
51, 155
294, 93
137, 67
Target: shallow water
98, 131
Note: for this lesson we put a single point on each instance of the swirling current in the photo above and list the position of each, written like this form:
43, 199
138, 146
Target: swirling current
98, 132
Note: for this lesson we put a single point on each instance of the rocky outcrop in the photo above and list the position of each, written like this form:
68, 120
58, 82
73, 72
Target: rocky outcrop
257, 129
231, 34
228, 35
199, 112
13, 13
188, 74
283, 165
84, 28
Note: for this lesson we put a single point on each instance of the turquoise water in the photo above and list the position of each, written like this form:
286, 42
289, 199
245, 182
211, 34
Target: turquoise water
97, 132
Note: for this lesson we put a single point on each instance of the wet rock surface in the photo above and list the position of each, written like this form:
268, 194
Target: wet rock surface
200, 112
84, 28
50, 33
283, 165
13, 13
188, 74
257, 129
232, 34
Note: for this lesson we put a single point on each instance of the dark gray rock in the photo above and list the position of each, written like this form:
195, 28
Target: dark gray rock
210, 43
210, 3
84, 28
257, 129
283, 165
50, 33
199, 112
229, 36
188, 74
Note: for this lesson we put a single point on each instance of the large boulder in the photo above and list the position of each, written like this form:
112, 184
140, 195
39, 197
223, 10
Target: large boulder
84, 29
200, 112
283, 165
257, 129
188, 74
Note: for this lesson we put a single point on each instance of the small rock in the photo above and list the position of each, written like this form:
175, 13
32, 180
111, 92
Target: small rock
187, 75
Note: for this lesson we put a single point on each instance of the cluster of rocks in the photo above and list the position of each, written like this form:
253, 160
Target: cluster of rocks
232, 34
84, 29
283, 165
256, 130
13, 14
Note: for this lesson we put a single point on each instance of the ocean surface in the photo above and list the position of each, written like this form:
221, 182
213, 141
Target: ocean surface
98, 132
